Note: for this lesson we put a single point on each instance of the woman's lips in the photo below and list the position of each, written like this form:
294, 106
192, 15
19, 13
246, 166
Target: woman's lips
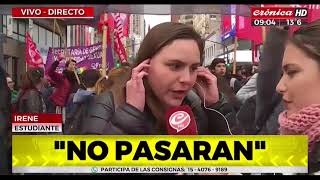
287, 103
179, 93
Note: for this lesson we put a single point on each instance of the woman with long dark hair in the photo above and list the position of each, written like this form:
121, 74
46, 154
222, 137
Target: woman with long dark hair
30, 99
300, 89
165, 73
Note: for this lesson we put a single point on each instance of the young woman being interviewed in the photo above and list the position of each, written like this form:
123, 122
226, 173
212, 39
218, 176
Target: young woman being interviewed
300, 89
167, 73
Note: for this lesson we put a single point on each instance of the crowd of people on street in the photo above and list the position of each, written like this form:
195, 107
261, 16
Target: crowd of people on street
280, 97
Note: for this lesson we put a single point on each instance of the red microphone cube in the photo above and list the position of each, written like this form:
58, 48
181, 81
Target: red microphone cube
180, 121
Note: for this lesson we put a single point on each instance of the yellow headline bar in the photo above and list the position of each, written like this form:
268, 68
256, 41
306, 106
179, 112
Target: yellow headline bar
159, 150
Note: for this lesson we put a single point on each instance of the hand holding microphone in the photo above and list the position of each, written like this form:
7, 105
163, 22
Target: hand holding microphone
135, 91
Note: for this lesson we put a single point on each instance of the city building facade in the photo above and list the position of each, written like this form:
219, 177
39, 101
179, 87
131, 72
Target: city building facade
13, 32
137, 32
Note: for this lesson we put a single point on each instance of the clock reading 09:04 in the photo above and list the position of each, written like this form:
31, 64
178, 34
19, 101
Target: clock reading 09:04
264, 22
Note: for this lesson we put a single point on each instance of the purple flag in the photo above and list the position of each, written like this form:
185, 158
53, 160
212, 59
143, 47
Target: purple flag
87, 57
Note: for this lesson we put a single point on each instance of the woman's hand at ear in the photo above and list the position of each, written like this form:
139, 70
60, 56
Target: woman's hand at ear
135, 91
209, 88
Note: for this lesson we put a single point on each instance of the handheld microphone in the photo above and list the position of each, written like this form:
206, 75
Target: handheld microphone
180, 121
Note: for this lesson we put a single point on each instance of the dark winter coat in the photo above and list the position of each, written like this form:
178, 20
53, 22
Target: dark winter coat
63, 87
5, 125
31, 101
128, 120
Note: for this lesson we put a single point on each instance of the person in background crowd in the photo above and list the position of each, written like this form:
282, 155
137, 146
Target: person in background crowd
115, 77
173, 51
5, 125
239, 75
65, 84
11, 84
259, 113
119, 77
255, 67
227, 85
247, 96
30, 99
218, 68
82, 99
268, 100
47, 91
247, 73
300, 89
103, 84
89, 79
249, 89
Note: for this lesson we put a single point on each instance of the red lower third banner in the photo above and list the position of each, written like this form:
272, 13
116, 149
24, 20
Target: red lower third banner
36, 123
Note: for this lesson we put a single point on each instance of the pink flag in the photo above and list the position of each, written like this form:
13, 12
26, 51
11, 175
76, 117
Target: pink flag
126, 25
33, 56
118, 36
119, 48
118, 24
121, 22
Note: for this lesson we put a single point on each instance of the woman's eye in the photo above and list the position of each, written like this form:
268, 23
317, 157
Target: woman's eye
175, 67
291, 73
194, 68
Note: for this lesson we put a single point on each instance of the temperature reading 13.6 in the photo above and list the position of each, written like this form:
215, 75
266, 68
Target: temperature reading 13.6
294, 22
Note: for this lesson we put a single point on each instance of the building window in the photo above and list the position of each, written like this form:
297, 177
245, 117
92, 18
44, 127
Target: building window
35, 33
213, 17
10, 66
205, 53
4, 24
42, 36
15, 29
49, 38
56, 39
45, 37
21, 31
19, 28
189, 17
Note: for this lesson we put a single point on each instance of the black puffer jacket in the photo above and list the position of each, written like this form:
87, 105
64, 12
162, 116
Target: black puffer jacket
126, 119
